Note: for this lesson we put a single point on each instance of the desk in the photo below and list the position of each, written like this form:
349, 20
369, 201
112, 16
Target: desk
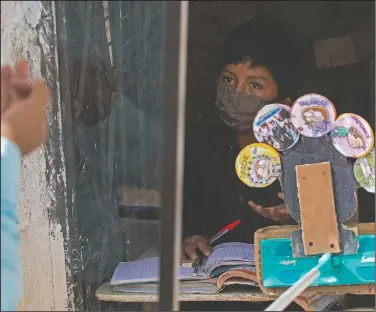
105, 293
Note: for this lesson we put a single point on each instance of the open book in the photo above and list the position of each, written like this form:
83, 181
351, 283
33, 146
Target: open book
235, 276
223, 257
229, 264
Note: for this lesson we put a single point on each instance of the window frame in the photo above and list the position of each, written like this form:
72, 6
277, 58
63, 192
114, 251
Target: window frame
175, 39
173, 76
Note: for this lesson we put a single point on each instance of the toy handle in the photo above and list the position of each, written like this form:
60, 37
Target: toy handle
295, 290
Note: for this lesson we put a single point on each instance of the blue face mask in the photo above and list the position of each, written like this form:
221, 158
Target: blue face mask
238, 110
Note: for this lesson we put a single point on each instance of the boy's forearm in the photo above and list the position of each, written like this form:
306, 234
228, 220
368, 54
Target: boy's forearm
10, 254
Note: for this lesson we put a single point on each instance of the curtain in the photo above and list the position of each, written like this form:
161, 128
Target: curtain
114, 50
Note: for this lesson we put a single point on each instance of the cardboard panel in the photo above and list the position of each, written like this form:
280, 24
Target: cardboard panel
285, 232
317, 208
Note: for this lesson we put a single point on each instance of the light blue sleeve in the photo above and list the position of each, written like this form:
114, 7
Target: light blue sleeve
10, 236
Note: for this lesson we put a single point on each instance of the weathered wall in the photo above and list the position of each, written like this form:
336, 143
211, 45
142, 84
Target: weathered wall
27, 31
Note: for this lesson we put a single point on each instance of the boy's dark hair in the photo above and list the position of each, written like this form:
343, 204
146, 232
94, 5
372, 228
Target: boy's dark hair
269, 43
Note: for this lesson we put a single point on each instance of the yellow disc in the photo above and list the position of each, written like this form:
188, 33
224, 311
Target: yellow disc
258, 165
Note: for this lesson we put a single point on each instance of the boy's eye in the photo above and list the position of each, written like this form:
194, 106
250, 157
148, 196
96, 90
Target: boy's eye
227, 79
255, 85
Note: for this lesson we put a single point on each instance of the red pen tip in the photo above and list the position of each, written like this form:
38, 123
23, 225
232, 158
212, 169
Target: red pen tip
231, 226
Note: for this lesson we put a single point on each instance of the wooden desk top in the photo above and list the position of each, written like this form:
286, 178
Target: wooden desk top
105, 293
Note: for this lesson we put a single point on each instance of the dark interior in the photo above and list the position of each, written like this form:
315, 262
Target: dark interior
350, 87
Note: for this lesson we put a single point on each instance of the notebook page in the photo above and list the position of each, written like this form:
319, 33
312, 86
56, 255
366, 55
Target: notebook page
319, 302
186, 287
143, 288
146, 270
230, 254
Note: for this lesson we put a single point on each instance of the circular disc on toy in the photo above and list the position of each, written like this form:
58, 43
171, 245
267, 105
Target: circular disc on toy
313, 115
364, 171
352, 135
273, 126
286, 107
258, 165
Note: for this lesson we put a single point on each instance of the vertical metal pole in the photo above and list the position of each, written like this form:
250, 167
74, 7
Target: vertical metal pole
175, 37
373, 70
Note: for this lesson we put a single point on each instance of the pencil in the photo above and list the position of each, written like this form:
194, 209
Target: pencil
197, 262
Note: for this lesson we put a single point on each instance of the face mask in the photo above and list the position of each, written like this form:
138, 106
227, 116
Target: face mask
238, 110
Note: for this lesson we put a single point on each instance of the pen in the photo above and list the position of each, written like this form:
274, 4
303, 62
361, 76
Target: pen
219, 234
223, 231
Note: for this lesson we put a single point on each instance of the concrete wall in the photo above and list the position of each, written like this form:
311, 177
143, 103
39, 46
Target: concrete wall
28, 31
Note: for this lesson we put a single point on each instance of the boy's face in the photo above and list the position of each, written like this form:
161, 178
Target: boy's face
252, 80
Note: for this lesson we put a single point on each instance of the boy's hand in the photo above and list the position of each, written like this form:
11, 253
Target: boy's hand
23, 118
14, 83
277, 213
196, 241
